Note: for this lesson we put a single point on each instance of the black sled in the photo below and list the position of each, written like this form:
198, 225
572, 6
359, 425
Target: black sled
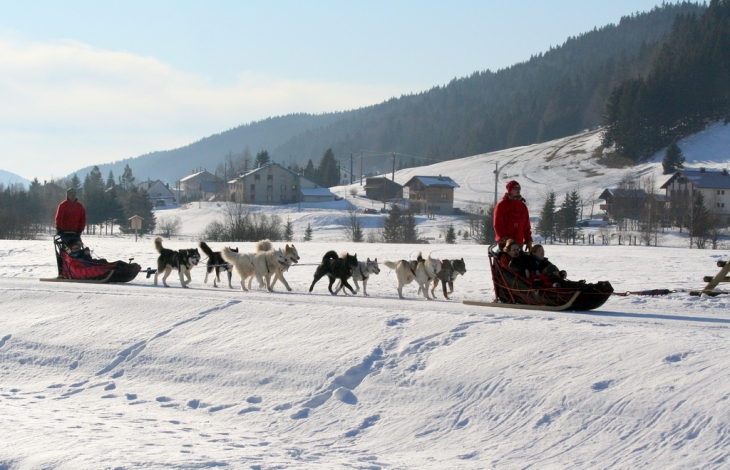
514, 291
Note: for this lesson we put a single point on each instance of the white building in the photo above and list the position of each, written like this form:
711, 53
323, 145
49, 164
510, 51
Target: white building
713, 184
269, 184
159, 192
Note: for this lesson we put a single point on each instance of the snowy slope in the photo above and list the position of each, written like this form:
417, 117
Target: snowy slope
132, 375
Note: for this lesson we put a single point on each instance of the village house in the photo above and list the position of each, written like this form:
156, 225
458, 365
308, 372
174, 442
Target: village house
158, 192
200, 185
269, 184
623, 203
380, 188
346, 177
714, 185
430, 194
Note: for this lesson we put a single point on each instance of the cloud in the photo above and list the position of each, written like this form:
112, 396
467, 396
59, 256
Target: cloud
70, 100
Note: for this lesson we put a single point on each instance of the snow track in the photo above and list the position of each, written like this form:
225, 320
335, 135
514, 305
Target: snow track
133, 375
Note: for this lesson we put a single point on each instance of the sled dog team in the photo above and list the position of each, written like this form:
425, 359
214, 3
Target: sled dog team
268, 266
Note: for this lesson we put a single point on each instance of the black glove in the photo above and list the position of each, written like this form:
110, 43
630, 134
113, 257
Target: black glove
78, 233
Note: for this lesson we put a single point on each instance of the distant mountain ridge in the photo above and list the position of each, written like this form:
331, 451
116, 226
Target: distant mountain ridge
553, 95
7, 178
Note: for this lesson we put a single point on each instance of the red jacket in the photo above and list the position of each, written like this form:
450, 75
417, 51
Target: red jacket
512, 220
71, 216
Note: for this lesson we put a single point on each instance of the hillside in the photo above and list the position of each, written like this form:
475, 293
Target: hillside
171, 165
554, 94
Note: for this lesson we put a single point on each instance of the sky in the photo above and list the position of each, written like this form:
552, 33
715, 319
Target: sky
93, 82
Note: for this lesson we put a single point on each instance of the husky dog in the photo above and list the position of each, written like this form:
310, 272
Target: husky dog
242, 263
423, 271
292, 257
182, 260
268, 262
450, 269
336, 267
361, 273
216, 263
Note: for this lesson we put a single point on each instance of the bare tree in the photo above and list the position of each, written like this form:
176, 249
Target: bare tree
352, 227
169, 226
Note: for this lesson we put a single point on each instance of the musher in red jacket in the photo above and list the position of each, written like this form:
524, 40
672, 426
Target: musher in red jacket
70, 221
512, 219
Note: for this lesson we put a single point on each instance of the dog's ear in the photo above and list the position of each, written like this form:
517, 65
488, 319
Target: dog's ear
376, 260
368, 260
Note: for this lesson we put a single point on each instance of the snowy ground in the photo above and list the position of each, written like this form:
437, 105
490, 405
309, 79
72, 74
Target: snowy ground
129, 376
137, 376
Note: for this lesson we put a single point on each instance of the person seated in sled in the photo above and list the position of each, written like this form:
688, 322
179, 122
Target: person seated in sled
548, 272
518, 261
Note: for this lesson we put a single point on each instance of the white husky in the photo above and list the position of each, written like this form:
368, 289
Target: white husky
422, 271
262, 264
242, 263
361, 273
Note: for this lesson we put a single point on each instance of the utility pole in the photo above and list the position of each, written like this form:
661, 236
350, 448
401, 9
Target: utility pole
393, 177
351, 168
496, 182
361, 173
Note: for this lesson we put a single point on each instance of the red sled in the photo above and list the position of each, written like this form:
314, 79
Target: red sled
75, 268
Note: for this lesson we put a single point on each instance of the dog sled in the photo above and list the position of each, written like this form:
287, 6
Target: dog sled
514, 291
78, 266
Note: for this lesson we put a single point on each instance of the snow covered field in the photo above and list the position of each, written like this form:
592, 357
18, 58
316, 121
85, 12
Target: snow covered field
136, 376
132, 375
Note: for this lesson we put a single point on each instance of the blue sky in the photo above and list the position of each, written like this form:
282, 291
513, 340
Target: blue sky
98, 81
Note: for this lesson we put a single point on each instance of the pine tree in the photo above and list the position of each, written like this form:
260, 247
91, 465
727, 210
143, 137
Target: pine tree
673, 159
328, 170
289, 230
262, 158
410, 228
110, 180
126, 180
546, 225
450, 235
392, 227
308, 233
94, 197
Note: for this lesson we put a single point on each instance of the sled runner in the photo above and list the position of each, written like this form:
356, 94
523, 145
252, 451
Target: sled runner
77, 267
514, 291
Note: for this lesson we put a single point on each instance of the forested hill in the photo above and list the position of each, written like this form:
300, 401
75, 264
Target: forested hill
171, 165
552, 95
687, 87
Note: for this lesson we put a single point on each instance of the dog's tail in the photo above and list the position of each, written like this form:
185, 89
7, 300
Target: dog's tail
330, 255
264, 245
158, 244
390, 264
227, 254
206, 249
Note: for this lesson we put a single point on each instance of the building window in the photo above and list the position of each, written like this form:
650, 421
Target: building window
252, 198
443, 196
270, 197
270, 187
269, 177
294, 187
256, 177
283, 188
253, 187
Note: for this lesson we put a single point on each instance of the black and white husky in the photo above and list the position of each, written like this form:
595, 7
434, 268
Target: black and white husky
218, 264
182, 260
362, 272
